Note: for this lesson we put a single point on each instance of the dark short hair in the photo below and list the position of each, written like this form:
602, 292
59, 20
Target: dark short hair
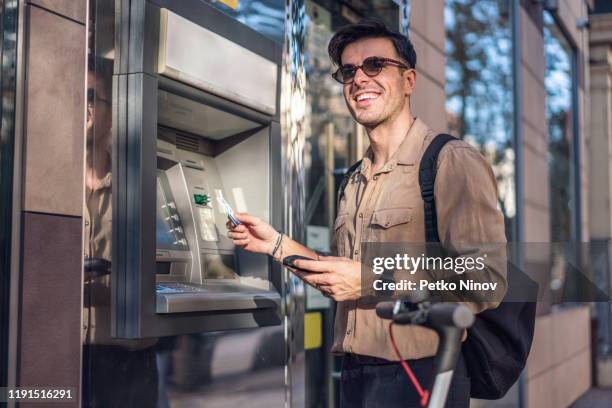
370, 28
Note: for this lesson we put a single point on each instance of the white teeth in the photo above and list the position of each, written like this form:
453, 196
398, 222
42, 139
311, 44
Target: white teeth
367, 95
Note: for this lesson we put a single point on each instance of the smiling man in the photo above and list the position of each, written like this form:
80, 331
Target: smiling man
382, 203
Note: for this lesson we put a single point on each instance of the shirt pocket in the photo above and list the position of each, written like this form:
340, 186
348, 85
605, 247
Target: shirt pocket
390, 217
340, 240
391, 224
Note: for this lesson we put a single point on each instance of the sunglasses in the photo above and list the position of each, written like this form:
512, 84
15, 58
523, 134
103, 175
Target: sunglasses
371, 66
92, 97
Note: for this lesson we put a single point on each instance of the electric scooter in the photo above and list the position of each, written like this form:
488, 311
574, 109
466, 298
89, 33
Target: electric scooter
448, 320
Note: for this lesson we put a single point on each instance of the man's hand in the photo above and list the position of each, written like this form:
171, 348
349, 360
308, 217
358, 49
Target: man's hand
336, 277
253, 234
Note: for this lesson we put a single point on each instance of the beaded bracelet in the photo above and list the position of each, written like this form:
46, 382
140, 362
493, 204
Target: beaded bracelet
277, 245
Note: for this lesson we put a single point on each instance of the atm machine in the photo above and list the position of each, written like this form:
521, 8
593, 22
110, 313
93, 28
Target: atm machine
197, 266
195, 121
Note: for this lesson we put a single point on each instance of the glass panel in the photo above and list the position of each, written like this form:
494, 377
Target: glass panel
333, 141
8, 48
559, 86
479, 87
330, 123
558, 81
217, 369
264, 16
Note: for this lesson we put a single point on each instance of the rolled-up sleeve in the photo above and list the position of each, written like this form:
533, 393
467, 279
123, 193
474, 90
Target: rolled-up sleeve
470, 222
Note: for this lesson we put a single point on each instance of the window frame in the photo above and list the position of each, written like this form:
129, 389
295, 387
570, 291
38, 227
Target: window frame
574, 159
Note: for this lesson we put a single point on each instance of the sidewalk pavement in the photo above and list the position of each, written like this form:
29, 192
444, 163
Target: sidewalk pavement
594, 398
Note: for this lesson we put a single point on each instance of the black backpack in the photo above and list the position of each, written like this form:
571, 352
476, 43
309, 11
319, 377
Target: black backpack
498, 343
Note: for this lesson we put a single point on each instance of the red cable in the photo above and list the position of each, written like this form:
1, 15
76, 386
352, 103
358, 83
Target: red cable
424, 394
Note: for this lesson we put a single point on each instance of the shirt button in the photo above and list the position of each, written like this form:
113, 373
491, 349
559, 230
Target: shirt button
376, 177
360, 215
87, 223
348, 332
356, 252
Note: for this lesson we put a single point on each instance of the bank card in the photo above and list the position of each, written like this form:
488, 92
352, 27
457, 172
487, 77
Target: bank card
228, 210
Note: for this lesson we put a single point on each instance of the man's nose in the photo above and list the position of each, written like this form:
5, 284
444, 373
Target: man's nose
360, 77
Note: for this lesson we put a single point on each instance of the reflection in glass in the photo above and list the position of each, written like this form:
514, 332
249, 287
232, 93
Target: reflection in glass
333, 142
293, 108
264, 16
330, 125
8, 50
558, 83
333, 139
220, 369
479, 87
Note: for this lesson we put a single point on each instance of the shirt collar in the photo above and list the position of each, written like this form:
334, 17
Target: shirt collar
100, 184
366, 161
407, 152
410, 148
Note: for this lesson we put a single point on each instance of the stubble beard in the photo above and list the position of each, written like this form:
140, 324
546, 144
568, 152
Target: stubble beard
371, 120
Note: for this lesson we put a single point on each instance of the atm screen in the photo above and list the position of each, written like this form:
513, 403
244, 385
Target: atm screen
169, 231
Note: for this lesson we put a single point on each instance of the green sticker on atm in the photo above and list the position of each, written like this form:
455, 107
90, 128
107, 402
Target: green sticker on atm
201, 199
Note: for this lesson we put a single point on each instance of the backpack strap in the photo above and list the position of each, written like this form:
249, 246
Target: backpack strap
345, 179
427, 177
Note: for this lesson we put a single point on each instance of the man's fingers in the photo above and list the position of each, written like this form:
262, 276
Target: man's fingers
332, 258
237, 235
312, 266
316, 279
239, 228
297, 273
326, 290
235, 228
248, 219
305, 276
241, 242
302, 275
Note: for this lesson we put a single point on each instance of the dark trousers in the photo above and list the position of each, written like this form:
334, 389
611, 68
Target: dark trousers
371, 382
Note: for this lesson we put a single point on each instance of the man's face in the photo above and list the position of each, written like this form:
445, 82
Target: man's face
98, 106
378, 99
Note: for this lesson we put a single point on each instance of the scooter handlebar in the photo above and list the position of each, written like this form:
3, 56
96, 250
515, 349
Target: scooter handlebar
449, 320
451, 315
385, 310
439, 315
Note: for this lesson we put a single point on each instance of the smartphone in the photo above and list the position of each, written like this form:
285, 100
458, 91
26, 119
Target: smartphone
289, 261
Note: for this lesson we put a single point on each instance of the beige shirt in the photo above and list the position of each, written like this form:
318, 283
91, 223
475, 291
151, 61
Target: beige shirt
98, 219
387, 207
98, 239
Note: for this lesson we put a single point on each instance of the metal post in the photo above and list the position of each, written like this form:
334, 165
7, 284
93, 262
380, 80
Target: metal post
515, 15
292, 117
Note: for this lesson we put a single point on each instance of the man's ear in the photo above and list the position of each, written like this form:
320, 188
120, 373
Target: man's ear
409, 81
